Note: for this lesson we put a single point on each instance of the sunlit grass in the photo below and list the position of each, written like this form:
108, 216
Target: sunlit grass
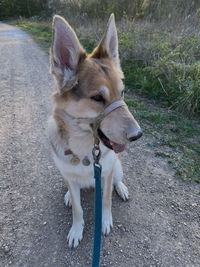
177, 136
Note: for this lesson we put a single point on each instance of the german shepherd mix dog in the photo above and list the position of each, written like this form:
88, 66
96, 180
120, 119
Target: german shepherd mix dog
85, 86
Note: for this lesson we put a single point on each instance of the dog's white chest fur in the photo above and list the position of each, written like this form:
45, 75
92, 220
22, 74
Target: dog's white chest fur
82, 147
81, 174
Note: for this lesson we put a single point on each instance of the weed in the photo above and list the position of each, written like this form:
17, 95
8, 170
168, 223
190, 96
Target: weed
179, 136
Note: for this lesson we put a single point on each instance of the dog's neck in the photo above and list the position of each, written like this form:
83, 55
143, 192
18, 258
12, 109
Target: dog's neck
78, 137
81, 145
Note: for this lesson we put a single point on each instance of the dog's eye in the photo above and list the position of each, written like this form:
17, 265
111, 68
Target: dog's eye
122, 93
98, 98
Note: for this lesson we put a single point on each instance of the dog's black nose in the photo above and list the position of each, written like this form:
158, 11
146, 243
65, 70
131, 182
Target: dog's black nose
135, 136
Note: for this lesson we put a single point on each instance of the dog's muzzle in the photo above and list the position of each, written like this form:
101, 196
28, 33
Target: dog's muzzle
97, 121
132, 134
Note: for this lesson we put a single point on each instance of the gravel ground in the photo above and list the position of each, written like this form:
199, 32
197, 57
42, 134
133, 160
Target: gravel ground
158, 226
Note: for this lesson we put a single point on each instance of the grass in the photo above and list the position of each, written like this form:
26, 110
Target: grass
41, 32
174, 137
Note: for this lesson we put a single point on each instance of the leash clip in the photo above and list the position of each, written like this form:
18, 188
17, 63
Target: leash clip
96, 152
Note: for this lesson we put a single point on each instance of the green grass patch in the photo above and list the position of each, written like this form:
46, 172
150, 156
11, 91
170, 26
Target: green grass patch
173, 137
40, 31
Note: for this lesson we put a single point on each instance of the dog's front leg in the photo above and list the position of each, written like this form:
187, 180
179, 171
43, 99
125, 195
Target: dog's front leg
107, 203
76, 232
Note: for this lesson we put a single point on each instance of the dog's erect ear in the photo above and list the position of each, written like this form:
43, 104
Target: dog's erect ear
108, 47
66, 53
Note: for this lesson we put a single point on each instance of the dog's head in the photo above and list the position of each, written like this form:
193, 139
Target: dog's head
87, 84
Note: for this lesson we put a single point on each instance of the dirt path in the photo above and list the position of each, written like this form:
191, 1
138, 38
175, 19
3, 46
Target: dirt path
158, 226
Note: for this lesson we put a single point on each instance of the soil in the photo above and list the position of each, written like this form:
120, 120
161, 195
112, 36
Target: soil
158, 226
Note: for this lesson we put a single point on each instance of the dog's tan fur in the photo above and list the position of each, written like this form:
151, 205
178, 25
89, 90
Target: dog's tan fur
80, 78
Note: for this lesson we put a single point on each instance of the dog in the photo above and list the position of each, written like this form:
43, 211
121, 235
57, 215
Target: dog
85, 85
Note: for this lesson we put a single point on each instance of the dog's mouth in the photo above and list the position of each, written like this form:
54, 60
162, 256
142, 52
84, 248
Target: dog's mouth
110, 144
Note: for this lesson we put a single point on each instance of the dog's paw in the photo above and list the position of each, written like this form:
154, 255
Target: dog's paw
107, 222
75, 235
67, 199
122, 190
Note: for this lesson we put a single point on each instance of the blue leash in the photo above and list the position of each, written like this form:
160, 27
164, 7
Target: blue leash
95, 124
98, 208
98, 217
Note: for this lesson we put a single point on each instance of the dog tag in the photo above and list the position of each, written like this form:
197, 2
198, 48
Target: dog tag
86, 161
75, 160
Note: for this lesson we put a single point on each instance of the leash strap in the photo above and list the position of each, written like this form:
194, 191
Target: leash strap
97, 176
98, 217
97, 120
96, 152
112, 107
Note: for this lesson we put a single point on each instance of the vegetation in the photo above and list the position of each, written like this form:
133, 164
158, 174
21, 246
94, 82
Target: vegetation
166, 66
160, 54
173, 137
25, 8
140, 9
